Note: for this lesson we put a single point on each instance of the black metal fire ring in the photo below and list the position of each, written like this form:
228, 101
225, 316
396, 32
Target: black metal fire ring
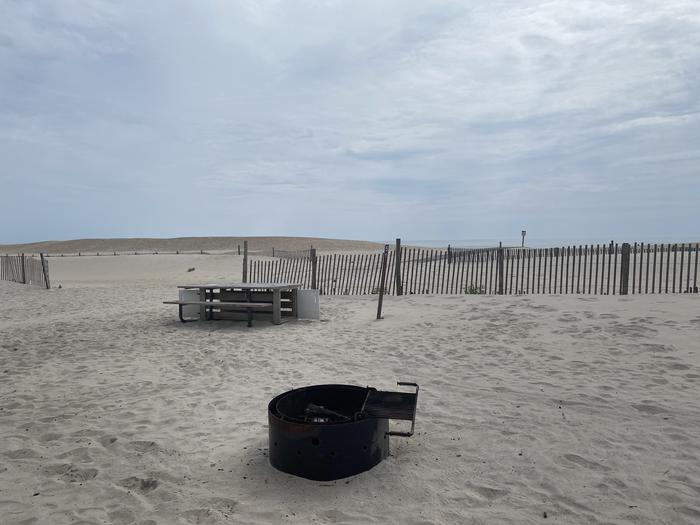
327, 432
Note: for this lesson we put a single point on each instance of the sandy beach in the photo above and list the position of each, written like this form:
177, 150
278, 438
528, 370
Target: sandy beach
533, 409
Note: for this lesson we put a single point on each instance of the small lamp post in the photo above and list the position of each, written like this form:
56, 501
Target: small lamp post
523, 232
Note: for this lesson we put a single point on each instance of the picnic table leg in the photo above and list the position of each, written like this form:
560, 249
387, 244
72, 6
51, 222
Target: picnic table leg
179, 311
295, 311
202, 308
249, 311
277, 306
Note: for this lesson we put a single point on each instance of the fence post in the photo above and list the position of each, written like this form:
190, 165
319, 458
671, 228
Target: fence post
382, 281
397, 269
245, 261
625, 269
24, 270
500, 268
239, 249
45, 269
273, 251
449, 254
314, 269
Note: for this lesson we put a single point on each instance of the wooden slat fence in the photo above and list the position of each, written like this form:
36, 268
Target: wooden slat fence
601, 269
25, 269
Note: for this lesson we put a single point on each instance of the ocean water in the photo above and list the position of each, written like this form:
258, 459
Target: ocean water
491, 243
531, 242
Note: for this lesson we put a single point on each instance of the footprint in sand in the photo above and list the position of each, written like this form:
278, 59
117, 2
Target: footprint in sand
145, 446
8, 507
22, 453
142, 485
70, 472
78, 455
122, 516
583, 462
657, 348
79, 475
107, 440
224, 505
199, 516
650, 409
50, 436
679, 366
490, 493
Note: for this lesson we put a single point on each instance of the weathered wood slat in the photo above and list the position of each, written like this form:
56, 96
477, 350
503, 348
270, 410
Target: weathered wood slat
429, 271
661, 266
614, 284
365, 273
668, 265
577, 265
566, 273
357, 274
527, 272
653, 273
461, 257
675, 260
370, 273
687, 279
405, 278
380, 262
695, 275
482, 258
590, 269
360, 272
412, 272
323, 272
680, 269
647, 267
438, 267
288, 269
308, 275
390, 273
334, 274
351, 272
634, 266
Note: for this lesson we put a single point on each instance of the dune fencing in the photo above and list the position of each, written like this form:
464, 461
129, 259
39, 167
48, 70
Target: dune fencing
607, 269
25, 269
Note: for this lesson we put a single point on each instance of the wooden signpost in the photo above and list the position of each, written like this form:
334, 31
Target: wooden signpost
382, 281
397, 269
245, 261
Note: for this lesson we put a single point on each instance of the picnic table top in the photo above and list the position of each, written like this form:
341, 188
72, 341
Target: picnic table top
243, 286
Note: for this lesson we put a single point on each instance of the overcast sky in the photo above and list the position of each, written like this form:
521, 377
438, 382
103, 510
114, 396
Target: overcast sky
370, 120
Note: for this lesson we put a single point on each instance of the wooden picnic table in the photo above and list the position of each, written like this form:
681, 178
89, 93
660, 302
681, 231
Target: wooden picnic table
208, 292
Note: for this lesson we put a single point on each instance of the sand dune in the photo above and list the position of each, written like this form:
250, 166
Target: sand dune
583, 408
255, 244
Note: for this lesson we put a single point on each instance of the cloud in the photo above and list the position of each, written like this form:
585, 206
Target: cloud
443, 118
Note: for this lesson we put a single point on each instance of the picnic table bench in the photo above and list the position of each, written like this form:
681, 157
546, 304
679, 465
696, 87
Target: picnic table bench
235, 300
